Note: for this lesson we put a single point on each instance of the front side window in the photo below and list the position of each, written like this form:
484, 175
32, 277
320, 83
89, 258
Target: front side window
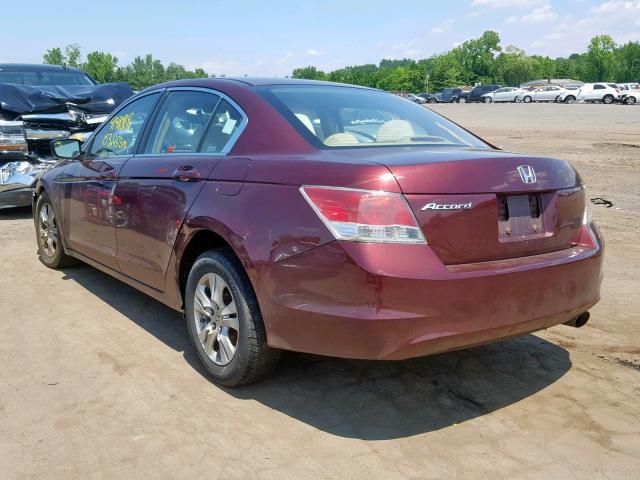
598, 87
120, 135
355, 117
181, 122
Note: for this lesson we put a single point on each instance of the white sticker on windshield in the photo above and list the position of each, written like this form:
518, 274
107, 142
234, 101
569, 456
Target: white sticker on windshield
228, 126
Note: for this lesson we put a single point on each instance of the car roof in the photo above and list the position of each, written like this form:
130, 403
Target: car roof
214, 82
37, 67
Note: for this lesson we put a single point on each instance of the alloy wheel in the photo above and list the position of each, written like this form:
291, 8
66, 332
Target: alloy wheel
216, 318
48, 230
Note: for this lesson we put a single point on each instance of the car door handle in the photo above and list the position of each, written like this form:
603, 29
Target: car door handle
186, 173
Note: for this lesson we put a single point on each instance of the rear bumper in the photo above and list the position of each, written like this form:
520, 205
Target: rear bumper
375, 301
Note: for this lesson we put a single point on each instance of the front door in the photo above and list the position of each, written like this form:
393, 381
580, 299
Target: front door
190, 134
88, 204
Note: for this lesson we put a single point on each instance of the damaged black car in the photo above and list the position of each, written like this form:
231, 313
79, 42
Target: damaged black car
41, 103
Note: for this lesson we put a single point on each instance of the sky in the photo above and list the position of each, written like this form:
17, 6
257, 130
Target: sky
271, 38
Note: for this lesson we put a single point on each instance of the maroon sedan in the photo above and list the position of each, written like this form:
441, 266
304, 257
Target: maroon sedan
323, 218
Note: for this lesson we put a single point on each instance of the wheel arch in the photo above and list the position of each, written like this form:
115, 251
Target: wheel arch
194, 244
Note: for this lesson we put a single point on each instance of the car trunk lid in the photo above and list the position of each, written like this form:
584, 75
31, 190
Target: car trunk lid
476, 207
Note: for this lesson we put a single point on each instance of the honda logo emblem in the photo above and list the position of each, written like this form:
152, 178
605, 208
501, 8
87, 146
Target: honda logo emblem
527, 174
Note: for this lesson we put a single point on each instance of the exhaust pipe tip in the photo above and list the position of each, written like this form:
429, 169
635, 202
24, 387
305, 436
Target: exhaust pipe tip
579, 321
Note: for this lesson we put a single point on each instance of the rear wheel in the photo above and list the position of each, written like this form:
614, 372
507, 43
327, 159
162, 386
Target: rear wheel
527, 99
607, 99
50, 250
462, 100
224, 321
570, 99
488, 100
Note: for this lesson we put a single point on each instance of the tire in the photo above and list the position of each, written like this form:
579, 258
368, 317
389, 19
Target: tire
462, 100
527, 99
219, 283
569, 99
607, 99
50, 249
433, 100
488, 100
630, 100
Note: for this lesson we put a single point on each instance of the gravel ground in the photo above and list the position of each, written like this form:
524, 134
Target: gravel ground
99, 381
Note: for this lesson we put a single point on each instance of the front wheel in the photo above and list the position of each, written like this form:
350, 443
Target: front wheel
630, 100
608, 99
433, 100
487, 100
570, 99
527, 99
462, 100
50, 250
224, 321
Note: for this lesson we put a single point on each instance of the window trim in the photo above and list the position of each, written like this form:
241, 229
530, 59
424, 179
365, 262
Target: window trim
221, 96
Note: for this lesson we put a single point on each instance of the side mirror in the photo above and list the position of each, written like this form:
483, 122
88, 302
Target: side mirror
65, 148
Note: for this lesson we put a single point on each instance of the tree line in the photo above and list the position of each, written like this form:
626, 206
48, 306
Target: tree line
483, 60
479, 60
142, 72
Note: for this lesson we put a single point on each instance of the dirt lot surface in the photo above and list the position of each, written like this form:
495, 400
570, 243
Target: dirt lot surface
99, 381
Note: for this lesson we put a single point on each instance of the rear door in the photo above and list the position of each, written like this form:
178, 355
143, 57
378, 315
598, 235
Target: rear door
192, 131
87, 200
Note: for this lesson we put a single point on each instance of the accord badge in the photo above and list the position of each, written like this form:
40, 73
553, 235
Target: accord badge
447, 206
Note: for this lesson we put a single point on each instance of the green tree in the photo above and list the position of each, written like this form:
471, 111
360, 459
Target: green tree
477, 57
72, 55
513, 67
601, 59
101, 66
54, 56
309, 73
628, 62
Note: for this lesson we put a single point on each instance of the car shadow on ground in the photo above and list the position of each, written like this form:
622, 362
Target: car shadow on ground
15, 213
370, 400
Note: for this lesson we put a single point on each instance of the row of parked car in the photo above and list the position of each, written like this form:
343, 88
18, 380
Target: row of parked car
627, 93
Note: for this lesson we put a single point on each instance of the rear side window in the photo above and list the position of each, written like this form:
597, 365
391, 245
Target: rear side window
223, 127
181, 122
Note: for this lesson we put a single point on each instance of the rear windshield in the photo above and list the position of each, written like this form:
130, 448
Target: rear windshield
354, 117
45, 78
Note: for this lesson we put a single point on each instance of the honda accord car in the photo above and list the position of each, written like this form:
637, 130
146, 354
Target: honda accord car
318, 217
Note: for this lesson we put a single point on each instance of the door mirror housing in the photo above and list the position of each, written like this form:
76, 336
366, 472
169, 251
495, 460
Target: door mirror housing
67, 148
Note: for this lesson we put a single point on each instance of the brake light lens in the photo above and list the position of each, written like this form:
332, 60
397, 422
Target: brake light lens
364, 215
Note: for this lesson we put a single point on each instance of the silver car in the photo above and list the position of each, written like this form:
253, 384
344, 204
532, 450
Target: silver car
548, 93
505, 94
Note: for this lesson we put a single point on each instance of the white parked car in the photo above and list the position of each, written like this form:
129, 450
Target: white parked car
630, 97
548, 93
569, 95
598, 92
504, 94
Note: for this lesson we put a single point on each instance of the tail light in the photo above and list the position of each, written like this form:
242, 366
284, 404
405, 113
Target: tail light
364, 215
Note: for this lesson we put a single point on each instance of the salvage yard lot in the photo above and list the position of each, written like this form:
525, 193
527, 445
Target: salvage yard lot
99, 381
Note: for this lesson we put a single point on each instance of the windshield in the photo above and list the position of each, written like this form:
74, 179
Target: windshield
354, 117
45, 78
